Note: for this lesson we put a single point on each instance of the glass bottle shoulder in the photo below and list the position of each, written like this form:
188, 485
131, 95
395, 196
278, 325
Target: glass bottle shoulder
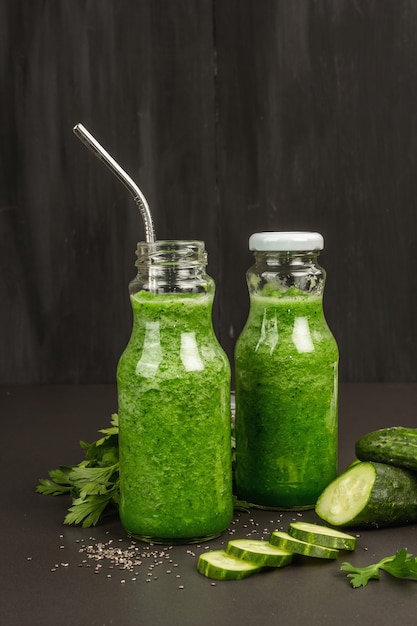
172, 337
292, 326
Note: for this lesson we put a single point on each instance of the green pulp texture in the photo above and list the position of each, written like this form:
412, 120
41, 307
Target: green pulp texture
174, 420
286, 363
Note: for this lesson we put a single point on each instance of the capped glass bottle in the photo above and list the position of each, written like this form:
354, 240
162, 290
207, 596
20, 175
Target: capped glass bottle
286, 362
174, 402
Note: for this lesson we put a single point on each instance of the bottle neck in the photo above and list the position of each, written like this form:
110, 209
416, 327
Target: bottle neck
286, 273
288, 257
172, 266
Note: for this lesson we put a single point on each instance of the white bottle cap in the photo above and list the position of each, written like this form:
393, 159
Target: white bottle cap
286, 241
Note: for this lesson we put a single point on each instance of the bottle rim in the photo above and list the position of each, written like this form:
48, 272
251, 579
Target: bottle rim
171, 252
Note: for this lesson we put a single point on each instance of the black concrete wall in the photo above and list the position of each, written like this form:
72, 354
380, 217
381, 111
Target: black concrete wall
233, 116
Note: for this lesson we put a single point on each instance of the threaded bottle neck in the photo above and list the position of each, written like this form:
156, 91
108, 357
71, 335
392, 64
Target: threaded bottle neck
171, 266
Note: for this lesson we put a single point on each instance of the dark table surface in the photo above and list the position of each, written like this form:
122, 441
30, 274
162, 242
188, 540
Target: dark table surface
48, 578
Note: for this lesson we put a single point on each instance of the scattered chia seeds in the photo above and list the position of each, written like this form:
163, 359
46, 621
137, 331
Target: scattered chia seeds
145, 561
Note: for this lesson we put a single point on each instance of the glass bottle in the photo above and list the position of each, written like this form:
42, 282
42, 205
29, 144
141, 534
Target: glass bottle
174, 402
286, 362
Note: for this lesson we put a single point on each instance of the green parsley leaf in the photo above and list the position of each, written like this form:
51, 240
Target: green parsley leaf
93, 484
94, 480
401, 565
87, 511
58, 482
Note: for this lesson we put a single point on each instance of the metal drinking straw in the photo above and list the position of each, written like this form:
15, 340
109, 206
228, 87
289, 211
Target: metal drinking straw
92, 143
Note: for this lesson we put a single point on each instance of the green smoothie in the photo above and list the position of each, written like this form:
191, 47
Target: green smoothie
286, 401
174, 413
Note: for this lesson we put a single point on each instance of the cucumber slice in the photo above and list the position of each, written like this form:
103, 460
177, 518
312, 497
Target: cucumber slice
286, 542
322, 536
221, 566
370, 495
259, 552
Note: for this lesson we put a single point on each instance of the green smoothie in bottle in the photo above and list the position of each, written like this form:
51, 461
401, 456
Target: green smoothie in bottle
286, 362
174, 402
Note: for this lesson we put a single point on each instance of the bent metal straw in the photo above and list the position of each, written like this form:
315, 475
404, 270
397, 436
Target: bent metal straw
87, 138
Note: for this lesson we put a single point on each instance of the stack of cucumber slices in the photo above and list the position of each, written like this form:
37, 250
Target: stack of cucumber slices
243, 557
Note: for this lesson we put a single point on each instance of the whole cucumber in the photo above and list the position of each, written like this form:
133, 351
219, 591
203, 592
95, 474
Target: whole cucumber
396, 446
370, 495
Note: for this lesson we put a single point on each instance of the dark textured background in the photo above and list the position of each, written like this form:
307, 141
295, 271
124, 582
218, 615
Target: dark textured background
233, 117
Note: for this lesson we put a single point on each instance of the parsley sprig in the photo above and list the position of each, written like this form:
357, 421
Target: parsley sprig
401, 565
93, 484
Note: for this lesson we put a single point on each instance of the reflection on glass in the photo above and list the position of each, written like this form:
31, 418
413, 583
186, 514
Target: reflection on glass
151, 352
189, 353
301, 335
269, 330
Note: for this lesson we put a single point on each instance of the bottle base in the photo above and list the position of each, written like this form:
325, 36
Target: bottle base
173, 541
